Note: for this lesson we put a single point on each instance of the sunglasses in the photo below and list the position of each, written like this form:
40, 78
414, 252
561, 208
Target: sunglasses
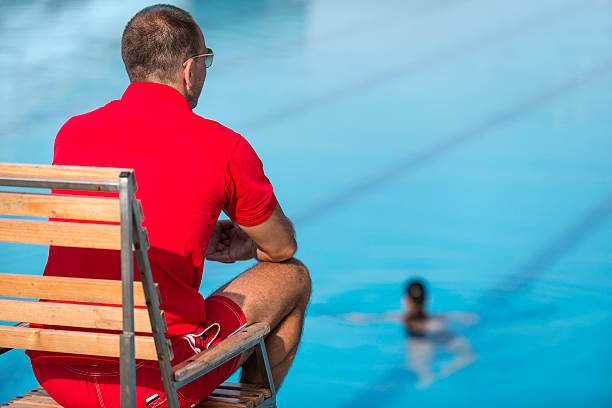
208, 58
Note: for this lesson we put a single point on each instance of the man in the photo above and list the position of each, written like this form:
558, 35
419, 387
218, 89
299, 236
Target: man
188, 170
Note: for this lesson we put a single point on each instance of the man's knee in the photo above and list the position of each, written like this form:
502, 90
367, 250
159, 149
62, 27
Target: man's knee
304, 280
301, 279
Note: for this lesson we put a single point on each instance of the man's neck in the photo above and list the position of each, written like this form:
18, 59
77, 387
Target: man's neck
179, 87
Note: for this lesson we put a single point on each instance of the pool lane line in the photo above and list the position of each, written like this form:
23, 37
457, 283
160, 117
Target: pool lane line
415, 66
523, 276
384, 390
452, 142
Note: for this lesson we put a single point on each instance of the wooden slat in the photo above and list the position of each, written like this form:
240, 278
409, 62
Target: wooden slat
69, 289
225, 402
73, 342
60, 206
31, 396
34, 399
259, 389
73, 315
37, 395
39, 401
26, 404
70, 234
20, 324
40, 390
234, 344
243, 395
35, 404
39, 171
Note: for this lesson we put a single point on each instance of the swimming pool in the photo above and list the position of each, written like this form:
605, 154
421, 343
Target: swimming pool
465, 142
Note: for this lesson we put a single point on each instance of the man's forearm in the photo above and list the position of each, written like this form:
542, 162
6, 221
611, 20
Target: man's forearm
278, 256
274, 238
280, 253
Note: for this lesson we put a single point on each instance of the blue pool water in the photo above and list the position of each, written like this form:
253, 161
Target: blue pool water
466, 142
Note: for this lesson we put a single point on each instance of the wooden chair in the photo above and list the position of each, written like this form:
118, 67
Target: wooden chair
128, 236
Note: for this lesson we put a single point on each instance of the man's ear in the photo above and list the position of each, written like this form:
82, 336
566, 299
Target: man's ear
187, 74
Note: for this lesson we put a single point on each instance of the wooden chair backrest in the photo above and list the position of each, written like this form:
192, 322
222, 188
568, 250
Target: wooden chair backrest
21, 293
42, 299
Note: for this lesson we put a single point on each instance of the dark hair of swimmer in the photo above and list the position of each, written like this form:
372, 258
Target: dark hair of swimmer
415, 290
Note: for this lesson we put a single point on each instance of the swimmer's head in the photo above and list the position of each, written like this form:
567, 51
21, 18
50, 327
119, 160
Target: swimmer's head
415, 290
414, 299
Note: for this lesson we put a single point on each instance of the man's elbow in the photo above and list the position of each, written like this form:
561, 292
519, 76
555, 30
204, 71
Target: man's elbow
285, 252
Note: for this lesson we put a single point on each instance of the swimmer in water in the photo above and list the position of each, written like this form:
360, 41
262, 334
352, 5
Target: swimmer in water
427, 335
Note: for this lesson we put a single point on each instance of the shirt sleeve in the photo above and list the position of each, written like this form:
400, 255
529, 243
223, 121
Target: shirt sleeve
250, 197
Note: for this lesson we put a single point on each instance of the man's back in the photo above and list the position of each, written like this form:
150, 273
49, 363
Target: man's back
188, 169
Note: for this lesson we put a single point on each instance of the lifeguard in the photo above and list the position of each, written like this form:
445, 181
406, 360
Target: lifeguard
189, 169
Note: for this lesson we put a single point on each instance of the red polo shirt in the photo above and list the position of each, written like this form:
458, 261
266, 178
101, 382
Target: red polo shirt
188, 169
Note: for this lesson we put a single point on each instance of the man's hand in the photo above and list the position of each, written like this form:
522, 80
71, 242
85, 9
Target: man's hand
229, 244
272, 241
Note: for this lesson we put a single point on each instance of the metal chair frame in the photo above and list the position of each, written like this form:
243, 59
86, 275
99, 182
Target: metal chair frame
133, 236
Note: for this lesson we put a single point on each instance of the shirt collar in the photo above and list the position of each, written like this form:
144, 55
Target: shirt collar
154, 94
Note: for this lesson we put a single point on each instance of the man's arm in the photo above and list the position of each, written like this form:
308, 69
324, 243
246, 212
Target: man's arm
273, 240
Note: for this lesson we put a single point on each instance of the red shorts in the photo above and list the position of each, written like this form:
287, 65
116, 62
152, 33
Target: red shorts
87, 386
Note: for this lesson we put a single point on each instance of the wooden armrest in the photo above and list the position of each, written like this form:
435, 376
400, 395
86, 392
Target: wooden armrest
220, 353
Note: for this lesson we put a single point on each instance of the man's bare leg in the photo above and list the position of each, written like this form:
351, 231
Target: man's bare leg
275, 293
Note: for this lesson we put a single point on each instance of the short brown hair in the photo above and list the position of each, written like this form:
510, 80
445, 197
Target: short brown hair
157, 40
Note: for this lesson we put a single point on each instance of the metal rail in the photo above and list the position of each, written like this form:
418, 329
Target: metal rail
60, 184
127, 362
144, 267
